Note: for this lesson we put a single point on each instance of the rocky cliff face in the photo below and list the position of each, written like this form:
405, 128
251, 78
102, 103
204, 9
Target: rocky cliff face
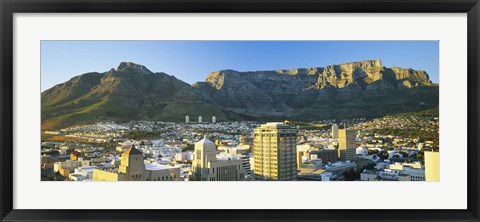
293, 92
133, 92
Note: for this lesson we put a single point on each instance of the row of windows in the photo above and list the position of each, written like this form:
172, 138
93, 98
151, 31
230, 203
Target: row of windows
136, 176
165, 178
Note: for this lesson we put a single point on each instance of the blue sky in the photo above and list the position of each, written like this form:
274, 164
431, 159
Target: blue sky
192, 61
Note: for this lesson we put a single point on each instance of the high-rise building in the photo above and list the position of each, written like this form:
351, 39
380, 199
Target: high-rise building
199, 119
432, 166
214, 119
206, 166
187, 119
275, 152
346, 144
335, 131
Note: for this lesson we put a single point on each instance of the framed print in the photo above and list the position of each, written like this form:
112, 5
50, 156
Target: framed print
218, 110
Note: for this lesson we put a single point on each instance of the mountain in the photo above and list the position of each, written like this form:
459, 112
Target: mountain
132, 92
355, 89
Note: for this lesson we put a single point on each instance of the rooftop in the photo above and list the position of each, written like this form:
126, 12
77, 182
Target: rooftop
154, 166
275, 125
205, 140
132, 150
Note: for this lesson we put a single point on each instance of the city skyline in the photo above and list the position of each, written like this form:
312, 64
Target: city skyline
192, 61
277, 111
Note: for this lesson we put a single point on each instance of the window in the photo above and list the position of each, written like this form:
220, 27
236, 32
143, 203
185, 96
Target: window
199, 154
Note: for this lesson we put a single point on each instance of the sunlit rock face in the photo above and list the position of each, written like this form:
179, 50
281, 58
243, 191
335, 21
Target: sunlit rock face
314, 91
133, 92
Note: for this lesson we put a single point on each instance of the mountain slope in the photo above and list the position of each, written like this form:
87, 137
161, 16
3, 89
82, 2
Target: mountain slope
132, 92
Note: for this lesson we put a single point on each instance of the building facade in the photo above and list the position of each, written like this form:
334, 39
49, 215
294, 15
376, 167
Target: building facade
432, 166
133, 168
132, 164
346, 144
335, 131
206, 166
275, 152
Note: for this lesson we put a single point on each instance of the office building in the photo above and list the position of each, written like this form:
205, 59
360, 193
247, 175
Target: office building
275, 152
346, 144
432, 166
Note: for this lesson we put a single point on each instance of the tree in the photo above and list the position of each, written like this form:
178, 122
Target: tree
370, 166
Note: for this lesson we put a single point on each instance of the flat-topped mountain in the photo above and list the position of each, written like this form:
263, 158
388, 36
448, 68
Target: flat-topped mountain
133, 92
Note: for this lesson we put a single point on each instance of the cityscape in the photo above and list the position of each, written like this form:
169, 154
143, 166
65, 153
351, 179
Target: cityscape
353, 121
244, 151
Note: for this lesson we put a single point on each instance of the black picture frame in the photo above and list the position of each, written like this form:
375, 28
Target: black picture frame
9, 7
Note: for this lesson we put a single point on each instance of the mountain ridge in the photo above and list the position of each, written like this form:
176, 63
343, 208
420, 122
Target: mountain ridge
133, 92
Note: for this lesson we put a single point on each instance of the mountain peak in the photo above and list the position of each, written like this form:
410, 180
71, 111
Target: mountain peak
132, 67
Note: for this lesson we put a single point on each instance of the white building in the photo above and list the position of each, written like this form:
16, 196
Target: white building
85, 171
187, 119
388, 174
214, 119
184, 156
157, 172
340, 166
362, 151
329, 176
199, 119
335, 131
368, 175
206, 166
415, 173
76, 177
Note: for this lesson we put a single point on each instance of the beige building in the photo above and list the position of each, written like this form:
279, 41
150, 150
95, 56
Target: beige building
275, 152
346, 144
108, 175
132, 165
432, 166
133, 168
206, 166
400, 166
157, 172
67, 167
